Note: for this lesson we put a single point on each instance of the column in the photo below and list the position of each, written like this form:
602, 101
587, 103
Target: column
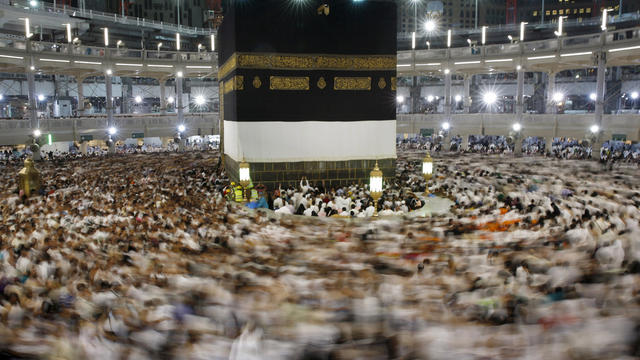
180, 110
599, 111
109, 101
83, 147
551, 89
447, 95
465, 142
548, 143
33, 104
80, 109
33, 111
163, 97
520, 95
447, 103
179, 105
600, 87
467, 93
415, 95
519, 108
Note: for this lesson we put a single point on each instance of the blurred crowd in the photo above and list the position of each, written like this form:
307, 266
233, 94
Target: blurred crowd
138, 256
562, 148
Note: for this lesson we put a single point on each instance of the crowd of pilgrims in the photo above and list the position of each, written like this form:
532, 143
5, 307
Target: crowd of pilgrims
141, 256
562, 148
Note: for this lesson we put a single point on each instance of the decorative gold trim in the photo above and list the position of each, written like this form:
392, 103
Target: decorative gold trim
288, 83
382, 83
234, 84
352, 83
394, 81
221, 95
257, 83
307, 62
239, 82
228, 86
322, 83
228, 66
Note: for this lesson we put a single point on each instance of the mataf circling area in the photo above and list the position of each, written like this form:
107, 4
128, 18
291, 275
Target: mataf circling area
141, 256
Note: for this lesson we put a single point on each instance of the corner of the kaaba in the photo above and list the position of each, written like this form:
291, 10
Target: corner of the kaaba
309, 94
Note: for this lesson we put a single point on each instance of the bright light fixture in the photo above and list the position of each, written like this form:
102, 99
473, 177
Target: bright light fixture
593, 96
430, 98
594, 129
458, 98
200, 100
400, 99
484, 35
430, 25
181, 128
138, 99
490, 97
37, 133
112, 130
446, 126
170, 100
41, 97
558, 97
634, 95
517, 127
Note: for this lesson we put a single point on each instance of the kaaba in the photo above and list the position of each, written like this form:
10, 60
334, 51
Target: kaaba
308, 89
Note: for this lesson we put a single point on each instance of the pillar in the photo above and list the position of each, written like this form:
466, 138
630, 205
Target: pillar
83, 147
447, 95
467, 93
415, 95
33, 105
548, 143
551, 89
109, 101
465, 142
33, 109
599, 111
600, 87
80, 109
179, 105
165, 142
520, 95
163, 96
519, 108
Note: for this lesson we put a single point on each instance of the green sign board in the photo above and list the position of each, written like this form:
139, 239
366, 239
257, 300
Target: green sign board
137, 135
619, 137
426, 132
84, 138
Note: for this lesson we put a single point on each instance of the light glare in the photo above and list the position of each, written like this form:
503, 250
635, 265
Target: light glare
490, 98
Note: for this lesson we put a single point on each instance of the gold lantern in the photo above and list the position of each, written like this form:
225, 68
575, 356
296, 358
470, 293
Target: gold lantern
244, 178
375, 186
29, 178
427, 171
